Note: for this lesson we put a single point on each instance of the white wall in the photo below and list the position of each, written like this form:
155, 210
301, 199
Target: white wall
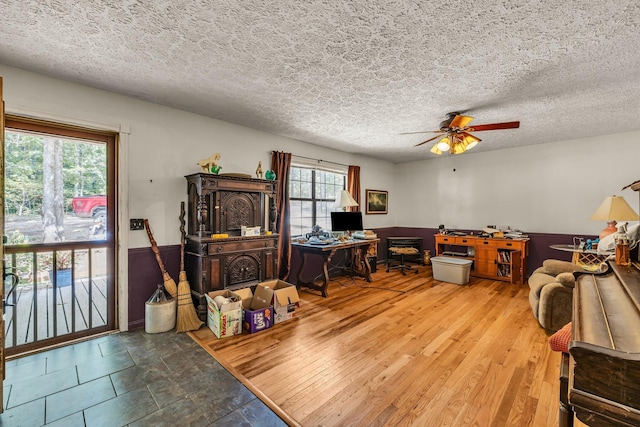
550, 188
164, 145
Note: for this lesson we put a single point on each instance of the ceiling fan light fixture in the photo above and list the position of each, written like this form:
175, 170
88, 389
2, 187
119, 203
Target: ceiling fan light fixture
435, 149
471, 138
444, 144
458, 139
471, 145
459, 148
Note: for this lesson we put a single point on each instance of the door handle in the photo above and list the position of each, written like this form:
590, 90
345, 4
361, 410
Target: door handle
14, 282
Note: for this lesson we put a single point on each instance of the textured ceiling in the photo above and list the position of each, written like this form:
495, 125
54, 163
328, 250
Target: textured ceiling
350, 75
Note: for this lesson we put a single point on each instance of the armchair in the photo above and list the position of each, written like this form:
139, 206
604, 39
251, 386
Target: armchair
551, 293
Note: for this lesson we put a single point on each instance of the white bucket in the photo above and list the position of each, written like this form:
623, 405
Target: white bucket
160, 316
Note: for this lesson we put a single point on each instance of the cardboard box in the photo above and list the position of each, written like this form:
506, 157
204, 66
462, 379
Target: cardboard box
225, 321
285, 300
257, 308
249, 231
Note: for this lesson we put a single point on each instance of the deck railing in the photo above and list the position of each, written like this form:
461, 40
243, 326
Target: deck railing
62, 294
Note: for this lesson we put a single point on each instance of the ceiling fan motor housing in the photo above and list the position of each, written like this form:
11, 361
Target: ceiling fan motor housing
444, 125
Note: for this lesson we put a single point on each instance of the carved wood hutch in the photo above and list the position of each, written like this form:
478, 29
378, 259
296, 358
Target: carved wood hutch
219, 204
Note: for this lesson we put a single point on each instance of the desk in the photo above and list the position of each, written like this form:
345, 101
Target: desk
326, 252
493, 258
589, 259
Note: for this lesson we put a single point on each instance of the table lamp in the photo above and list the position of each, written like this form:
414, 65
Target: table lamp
344, 200
612, 209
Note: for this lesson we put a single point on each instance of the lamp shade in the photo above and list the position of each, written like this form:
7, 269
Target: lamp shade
344, 200
614, 208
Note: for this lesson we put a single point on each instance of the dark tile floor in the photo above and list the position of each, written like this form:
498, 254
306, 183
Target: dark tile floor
128, 379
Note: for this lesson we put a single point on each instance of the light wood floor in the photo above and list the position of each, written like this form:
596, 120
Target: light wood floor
409, 352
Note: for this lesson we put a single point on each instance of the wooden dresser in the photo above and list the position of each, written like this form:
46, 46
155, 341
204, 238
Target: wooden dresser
219, 204
493, 258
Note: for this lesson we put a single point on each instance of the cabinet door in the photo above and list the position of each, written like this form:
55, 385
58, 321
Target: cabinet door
233, 209
516, 267
242, 268
485, 259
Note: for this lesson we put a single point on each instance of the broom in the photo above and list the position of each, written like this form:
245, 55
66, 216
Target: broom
169, 283
187, 319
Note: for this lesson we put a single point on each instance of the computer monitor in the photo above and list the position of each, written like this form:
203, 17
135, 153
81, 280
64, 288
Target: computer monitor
346, 221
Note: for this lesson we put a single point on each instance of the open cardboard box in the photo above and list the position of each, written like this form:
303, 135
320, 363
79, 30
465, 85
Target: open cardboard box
226, 320
285, 300
257, 308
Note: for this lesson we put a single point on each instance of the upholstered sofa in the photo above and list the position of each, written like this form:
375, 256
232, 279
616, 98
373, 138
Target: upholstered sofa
551, 293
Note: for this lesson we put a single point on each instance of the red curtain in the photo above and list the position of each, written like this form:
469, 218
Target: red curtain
280, 164
353, 186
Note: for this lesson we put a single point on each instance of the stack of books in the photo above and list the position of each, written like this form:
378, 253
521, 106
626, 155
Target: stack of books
364, 234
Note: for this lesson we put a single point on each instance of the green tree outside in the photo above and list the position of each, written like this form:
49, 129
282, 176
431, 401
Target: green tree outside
72, 168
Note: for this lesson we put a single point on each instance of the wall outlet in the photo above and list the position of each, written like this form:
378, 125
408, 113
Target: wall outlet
136, 224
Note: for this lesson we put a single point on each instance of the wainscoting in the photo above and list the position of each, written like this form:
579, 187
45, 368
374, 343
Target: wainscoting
144, 274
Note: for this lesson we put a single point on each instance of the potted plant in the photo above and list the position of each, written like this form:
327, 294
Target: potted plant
62, 270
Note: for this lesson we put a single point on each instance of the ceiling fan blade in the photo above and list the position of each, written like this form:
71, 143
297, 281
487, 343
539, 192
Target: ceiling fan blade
495, 126
428, 140
425, 131
460, 121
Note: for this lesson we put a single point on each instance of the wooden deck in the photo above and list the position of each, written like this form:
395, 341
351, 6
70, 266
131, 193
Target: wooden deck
39, 313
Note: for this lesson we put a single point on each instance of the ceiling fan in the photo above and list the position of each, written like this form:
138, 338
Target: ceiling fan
457, 137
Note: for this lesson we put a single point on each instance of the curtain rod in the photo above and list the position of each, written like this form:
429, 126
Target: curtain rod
317, 160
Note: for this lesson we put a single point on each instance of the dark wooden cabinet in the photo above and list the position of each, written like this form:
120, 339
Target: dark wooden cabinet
603, 370
222, 205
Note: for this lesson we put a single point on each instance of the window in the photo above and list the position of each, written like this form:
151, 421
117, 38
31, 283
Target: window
312, 194
55, 183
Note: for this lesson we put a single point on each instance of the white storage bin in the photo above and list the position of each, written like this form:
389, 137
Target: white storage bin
451, 269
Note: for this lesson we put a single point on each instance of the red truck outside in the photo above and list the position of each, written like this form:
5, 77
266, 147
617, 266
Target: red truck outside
90, 206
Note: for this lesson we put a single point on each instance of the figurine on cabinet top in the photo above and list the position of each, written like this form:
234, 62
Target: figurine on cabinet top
259, 170
210, 164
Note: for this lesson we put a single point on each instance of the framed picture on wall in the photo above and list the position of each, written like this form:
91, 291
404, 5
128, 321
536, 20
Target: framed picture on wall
377, 202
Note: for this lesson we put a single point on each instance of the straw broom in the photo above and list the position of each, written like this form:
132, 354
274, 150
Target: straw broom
187, 319
169, 283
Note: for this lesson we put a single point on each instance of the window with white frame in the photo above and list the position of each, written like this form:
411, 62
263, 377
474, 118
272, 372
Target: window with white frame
312, 195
